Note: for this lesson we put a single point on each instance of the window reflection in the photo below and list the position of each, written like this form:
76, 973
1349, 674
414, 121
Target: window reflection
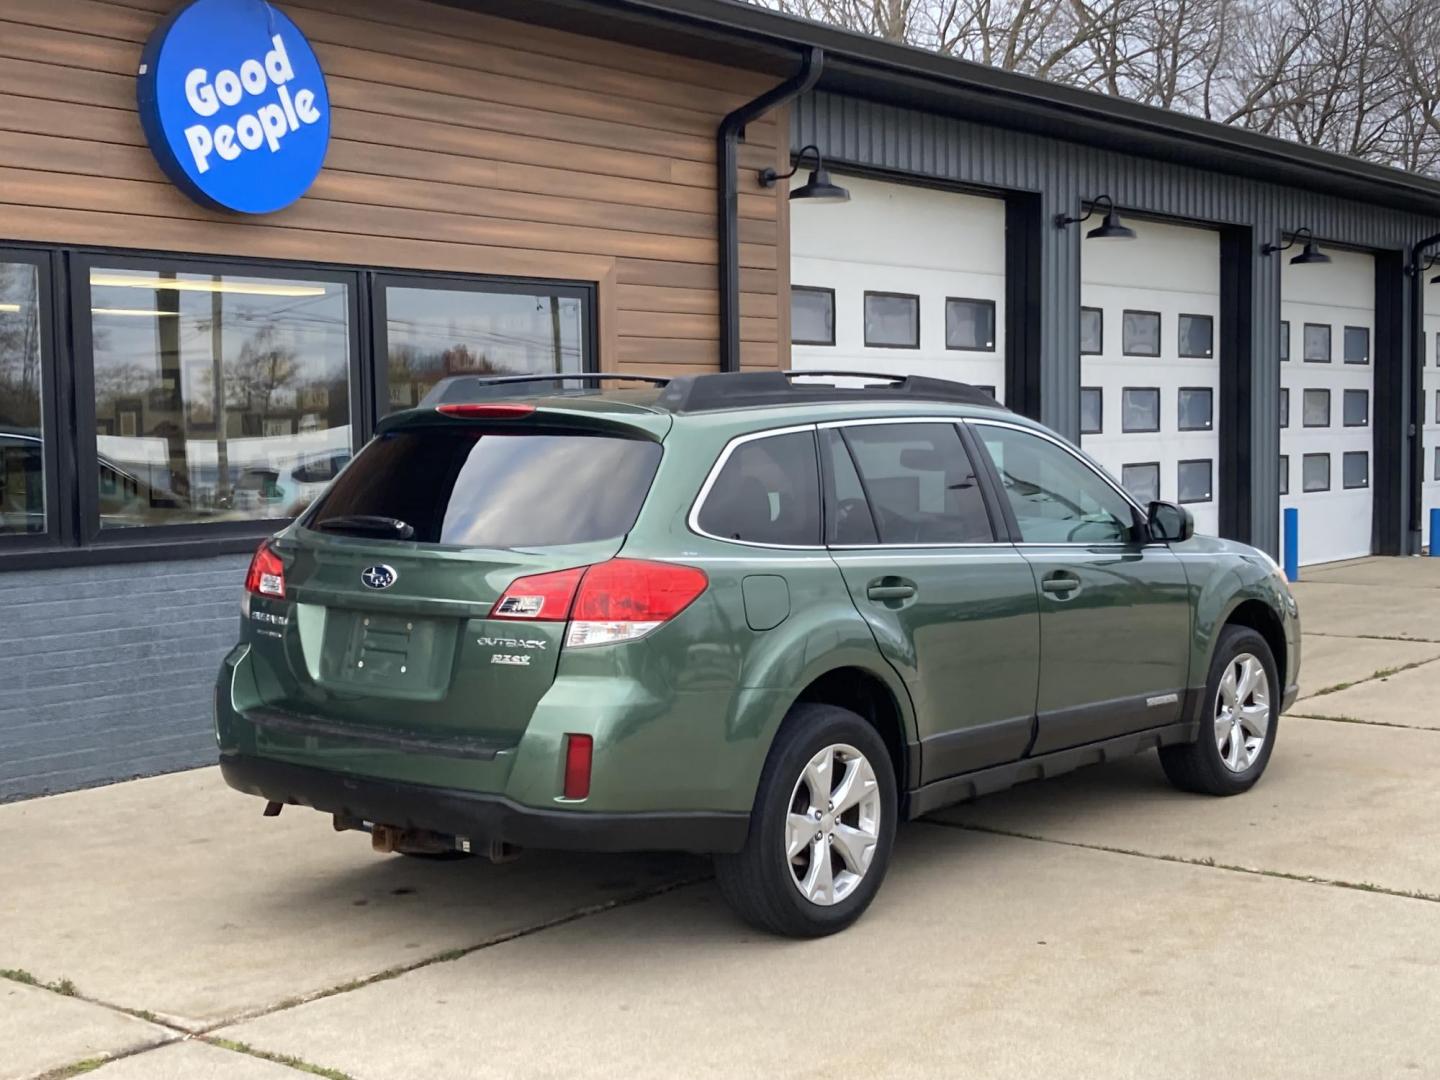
22, 471
435, 333
217, 397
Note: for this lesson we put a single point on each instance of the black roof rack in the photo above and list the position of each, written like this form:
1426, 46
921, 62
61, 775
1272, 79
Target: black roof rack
706, 393
463, 388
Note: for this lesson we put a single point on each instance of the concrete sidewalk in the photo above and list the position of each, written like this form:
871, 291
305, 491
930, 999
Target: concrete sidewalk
1097, 925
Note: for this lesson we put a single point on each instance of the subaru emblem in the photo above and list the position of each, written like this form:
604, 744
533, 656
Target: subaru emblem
378, 577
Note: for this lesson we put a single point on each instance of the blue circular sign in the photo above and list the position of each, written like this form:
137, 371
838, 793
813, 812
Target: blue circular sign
234, 105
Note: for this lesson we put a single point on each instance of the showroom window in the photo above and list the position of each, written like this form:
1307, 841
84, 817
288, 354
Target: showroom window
1092, 331
1315, 472
812, 315
1196, 408
1356, 408
1315, 408
1355, 469
1140, 333
1193, 481
970, 324
1092, 410
892, 320
1284, 339
1197, 336
1357, 345
1142, 481
1284, 474
1284, 407
1140, 408
1317, 343
26, 457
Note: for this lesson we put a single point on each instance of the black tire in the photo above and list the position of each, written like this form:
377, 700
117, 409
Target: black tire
1198, 766
757, 881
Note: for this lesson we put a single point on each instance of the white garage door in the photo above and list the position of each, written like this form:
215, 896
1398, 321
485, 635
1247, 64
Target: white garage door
900, 279
1327, 402
1430, 475
1150, 367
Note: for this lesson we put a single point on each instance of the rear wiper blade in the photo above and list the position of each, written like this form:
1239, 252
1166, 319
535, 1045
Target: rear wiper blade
368, 525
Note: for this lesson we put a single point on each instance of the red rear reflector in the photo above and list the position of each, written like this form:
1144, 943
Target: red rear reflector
633, 590
539, 597
476, 411
579, 750
266, 576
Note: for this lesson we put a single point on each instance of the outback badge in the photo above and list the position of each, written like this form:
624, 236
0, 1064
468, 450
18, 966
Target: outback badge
378, 577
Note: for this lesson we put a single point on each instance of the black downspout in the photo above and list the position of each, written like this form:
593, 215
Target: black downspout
1416, 425
732, 130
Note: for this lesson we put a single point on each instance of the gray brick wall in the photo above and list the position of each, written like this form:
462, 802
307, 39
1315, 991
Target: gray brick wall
106, 672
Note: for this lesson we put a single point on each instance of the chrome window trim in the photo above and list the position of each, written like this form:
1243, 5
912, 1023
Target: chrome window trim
692, 521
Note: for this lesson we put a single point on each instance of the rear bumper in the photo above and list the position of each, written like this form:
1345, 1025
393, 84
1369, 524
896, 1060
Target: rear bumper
481, 818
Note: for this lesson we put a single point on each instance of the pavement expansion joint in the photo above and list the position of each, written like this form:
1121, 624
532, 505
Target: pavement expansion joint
1210, 864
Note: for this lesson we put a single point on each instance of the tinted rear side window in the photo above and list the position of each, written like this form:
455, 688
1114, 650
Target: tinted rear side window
768, 492
480, 488
921, 485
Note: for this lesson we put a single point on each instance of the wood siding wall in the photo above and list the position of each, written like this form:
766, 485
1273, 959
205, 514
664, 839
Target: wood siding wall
460, 142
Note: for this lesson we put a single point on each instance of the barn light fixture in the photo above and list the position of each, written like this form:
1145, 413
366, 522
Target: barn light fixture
817, 189
1108, 229
1310, 254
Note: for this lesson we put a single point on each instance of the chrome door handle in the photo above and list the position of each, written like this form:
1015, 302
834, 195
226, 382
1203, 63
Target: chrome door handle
890, 592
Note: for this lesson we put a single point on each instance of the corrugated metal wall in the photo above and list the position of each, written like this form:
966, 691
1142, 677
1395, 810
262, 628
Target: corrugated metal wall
929, 147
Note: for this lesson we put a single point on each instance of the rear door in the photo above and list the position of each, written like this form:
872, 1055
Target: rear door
1114, 609
391, 579
953, 609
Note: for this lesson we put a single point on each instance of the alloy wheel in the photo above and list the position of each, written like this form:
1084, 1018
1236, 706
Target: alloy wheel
1242, 712
833, 827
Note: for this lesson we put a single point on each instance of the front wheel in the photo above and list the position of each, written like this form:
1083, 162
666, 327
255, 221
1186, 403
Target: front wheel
1237, 725
821, 830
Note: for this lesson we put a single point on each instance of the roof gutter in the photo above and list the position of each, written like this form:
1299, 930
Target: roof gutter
728, 137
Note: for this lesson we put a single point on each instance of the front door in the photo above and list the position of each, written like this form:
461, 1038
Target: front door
953, 610
1114, 610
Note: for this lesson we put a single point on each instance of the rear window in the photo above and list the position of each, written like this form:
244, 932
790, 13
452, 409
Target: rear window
480, 488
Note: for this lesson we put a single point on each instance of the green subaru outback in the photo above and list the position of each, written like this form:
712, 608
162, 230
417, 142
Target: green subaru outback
761, 615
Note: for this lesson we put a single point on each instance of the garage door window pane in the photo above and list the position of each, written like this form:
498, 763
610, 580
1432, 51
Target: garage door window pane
1142, 481
1140, 333
1092, 410
1197, 335
921, 484
1355, 469
892, 320
1284, 340
22, 457
432, 333
1140, 409
1317, 343
1284, 474
1315, 472
1192, 481
214, 393
1437, 464
1056, 497
1357, 345
767, 493
970, 325
1316, 408
1092, 331
1284, 407
1357, 408
812, 316
1197, 408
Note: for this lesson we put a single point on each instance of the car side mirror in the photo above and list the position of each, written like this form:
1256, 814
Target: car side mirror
1169, 522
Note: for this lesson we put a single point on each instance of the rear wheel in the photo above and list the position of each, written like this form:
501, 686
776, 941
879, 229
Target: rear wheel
1237, 725
822, 828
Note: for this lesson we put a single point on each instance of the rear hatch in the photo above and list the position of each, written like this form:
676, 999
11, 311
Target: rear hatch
392, 579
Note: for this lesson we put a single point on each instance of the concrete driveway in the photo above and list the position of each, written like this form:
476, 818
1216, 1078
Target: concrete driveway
1098, 925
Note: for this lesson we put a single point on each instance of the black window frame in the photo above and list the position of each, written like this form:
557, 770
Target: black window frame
1435, 468
1124, 429
1349, 455
1100, 311
1209, 464
814, 289
1209, 424
1284, 407
1329, 343
864, 331
1329, 407
1284, 341
1208, 354
1329, 478
982, 302
1159, 333
1159, 478
1100, 392
1345, 341
74, 536
1284, 475
1345, 398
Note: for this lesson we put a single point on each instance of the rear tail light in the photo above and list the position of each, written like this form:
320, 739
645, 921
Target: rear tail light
539, 597
579, 752
625, 599
266, 576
